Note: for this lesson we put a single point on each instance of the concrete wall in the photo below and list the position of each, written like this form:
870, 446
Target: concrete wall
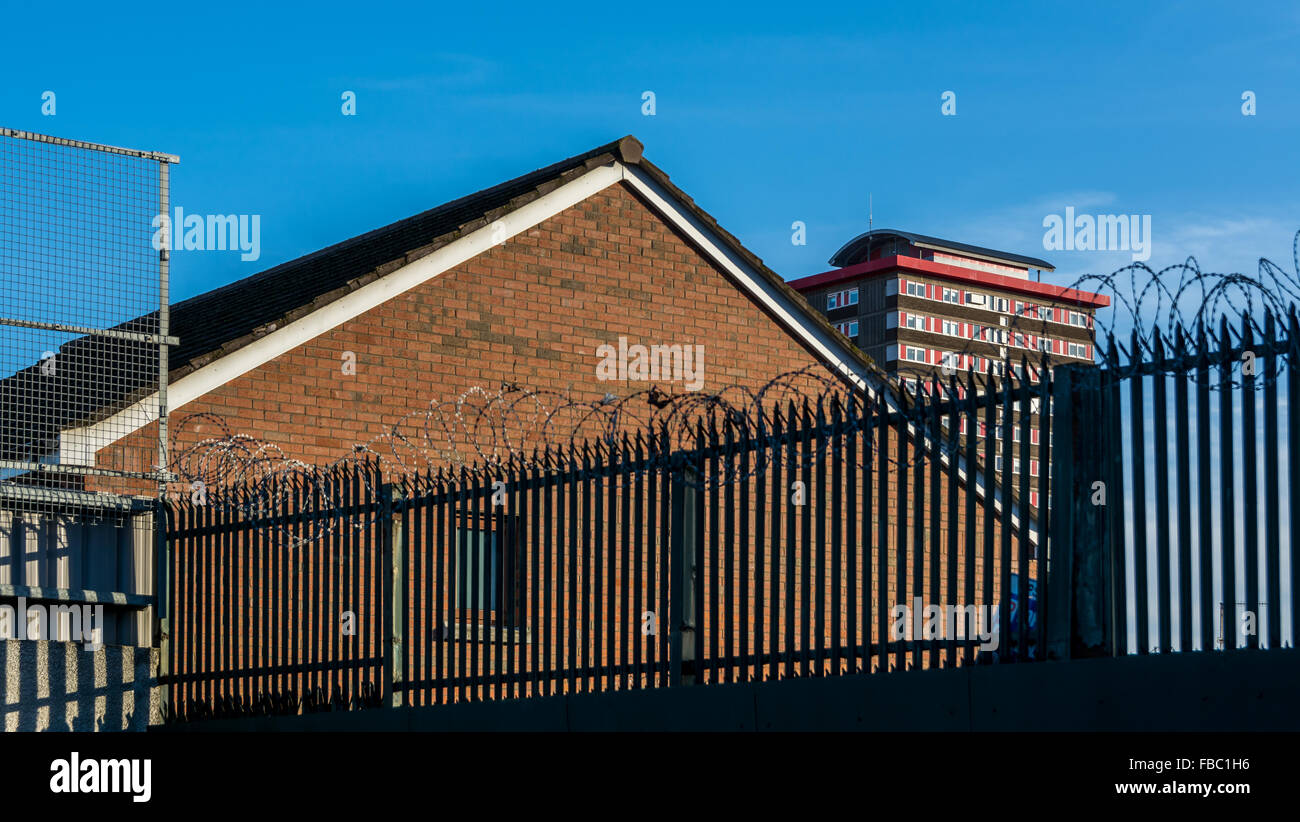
61, 686
1240, 691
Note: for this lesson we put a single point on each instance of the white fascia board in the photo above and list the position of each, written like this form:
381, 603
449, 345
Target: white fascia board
79, 446
774, 299
779, 303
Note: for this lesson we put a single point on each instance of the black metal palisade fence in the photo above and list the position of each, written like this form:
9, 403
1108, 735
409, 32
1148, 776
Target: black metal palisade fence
1158, 509
765, 549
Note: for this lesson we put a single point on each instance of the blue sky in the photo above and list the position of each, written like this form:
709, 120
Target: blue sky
765, 115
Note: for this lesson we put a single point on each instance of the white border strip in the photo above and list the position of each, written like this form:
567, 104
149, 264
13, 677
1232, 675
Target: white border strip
79, 446
779, 303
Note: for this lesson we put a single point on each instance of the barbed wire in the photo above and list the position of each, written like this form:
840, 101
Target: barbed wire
796, 420
484, 432
1163, 313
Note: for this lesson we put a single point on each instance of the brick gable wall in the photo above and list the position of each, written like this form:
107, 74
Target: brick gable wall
531, 311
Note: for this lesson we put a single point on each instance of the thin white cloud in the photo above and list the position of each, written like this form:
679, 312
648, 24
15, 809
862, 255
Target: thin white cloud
446, 71
1220, 244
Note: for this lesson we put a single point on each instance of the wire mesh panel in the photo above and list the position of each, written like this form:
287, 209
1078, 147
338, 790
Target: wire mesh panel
83, 319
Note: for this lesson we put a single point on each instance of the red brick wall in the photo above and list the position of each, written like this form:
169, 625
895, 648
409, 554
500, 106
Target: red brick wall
531, 311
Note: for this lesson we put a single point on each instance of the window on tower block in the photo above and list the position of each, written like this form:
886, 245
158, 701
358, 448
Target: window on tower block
841, 299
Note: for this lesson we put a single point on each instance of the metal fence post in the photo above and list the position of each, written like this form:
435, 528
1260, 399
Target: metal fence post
681, 619
1081, 583
394, 567
162, 596
1059, 555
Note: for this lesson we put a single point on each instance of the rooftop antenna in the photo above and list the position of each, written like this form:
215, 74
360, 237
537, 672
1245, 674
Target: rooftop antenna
870, 215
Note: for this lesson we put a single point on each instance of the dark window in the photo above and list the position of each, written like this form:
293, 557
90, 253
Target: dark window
487, 577
478, 563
